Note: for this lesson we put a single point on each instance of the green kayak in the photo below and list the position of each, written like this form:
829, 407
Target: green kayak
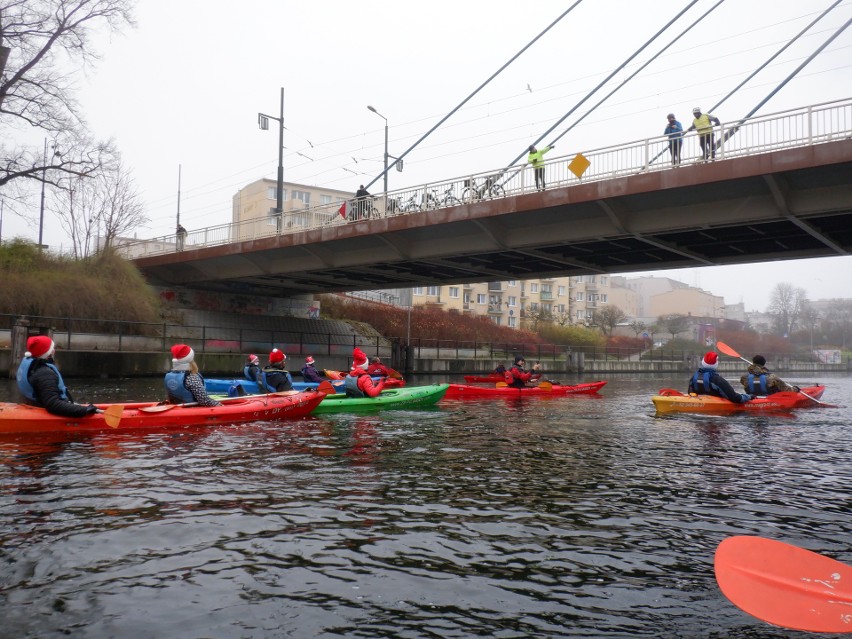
391, 399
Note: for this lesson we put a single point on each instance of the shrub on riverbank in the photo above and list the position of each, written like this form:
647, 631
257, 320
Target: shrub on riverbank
102, 287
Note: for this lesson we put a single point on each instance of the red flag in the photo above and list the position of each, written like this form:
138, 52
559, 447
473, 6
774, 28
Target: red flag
342, 210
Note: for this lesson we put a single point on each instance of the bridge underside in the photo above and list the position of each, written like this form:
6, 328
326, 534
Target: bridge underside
784, 205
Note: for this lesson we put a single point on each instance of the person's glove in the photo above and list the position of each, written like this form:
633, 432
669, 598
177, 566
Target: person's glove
746, 398
91, 409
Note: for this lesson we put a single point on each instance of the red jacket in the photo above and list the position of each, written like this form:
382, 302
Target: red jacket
365, 383
518, 377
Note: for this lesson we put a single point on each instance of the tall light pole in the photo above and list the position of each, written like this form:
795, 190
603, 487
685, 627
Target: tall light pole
263, 123
373, 109
41, 209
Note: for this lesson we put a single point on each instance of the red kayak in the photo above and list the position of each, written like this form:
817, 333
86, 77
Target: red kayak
670, 400
21, 418
544, 389
484, 379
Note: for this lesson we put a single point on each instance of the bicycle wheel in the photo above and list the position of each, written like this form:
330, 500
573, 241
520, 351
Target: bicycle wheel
496, 191
469, 194
451, 200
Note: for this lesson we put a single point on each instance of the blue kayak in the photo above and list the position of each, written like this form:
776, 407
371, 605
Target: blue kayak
225, 386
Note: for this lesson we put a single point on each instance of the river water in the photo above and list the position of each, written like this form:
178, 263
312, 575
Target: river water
548, 517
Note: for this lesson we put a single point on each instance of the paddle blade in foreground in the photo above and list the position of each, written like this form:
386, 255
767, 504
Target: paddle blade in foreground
785, 585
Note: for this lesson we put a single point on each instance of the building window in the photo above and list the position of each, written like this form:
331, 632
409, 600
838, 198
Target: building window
497, 320
302, 196
561, 308
581, 315
546, 308
603, 280
325, 199
454, 292
434, 291
417, 290
466, 298
603, 298
513, 301
534, 306
272, 193
581, 296
560, 290
533, 288
512, 283
480, 298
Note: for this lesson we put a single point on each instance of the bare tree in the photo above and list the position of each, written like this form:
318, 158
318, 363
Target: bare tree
786, 304
638, 327
674, 323
105, 204
47, 42
608, 317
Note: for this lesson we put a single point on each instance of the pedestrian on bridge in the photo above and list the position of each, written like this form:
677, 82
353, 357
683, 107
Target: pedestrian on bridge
361, 196
536, 158
703, 124
674, 130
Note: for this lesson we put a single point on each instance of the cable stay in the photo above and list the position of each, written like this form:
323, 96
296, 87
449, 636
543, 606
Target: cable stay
478, 89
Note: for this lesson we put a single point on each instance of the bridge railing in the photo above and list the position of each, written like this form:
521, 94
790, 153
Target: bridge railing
804, 126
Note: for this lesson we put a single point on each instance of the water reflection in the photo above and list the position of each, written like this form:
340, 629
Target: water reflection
579, 516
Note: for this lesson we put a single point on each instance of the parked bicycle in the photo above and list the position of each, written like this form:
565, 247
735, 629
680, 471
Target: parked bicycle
364, 209
489, 189
449, 199
410, 205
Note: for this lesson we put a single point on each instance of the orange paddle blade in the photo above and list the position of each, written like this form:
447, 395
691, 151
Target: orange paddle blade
727, 350
545, 386
785, 585
394, 374
326, 388
158, 408
112, 415
501, 384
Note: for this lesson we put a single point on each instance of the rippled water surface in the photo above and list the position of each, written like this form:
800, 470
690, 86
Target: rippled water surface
551, 517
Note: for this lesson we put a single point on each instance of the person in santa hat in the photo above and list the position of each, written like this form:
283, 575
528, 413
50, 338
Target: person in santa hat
41, 383
184, 384
358, 382
310, 373
706, 381
251, 370
274, 377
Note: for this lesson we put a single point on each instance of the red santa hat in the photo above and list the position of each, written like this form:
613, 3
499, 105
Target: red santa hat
40, 347
182, 354
359, 357
309, 360
253, 359
711, 360
276, 356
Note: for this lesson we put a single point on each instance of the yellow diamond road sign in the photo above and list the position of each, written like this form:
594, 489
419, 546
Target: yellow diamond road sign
579, 165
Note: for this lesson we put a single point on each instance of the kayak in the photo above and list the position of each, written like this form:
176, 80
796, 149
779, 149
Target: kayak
550, 390
224, 386
484, 379
672, 401
22, 418
393, 399
390, 382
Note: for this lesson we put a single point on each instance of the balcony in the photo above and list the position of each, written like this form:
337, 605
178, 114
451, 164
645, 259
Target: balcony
495, 309
546, 296
495, 286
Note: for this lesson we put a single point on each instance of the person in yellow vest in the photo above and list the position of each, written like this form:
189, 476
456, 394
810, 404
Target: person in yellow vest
536, 158
703, 124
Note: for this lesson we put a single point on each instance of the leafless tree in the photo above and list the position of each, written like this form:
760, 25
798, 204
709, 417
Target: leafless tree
674, 323
608, 317
48, 42
638, 327
786, 304
104, 205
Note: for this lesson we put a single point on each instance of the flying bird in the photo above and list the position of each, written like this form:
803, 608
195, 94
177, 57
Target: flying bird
529, 88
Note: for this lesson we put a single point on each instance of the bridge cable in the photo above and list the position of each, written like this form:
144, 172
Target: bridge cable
733, 130
478, 89
754, 73
603, 82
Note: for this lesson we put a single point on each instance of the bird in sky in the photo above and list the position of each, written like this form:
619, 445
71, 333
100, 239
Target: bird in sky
529, 88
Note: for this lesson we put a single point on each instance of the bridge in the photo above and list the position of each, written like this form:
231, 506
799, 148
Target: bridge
779, 188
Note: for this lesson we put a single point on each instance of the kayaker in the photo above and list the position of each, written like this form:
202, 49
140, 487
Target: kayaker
500, 370
517, 377
252, 368
358, 382
706, 381
41, 383
184, 384
309, 371
759, 381
377, 369
275, 378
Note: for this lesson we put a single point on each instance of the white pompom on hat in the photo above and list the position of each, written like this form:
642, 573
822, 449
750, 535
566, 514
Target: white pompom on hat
276, 356
359, 357
182, 354
711, 360
40, 347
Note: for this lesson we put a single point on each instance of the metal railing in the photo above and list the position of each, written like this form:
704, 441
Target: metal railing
805, 126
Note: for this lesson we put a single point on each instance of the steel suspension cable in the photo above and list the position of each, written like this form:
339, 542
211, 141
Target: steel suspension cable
478, 89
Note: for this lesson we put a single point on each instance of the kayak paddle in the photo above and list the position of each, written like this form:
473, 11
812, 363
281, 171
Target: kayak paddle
785, 585
112, 415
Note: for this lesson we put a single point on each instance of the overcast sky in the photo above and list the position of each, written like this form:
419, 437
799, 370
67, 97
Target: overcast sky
185, 86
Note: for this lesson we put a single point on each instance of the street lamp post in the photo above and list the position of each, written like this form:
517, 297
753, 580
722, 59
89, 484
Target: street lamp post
43, 180
373, 109
263, 123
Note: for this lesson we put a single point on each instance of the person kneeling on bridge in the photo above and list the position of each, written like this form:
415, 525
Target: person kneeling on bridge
706, 381
358, 382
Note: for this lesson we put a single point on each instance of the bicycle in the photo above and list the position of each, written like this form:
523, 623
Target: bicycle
410, 205
365, 209
449, 199
490, 189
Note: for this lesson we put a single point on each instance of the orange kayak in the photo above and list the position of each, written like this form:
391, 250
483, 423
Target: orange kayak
671, 401
21, 418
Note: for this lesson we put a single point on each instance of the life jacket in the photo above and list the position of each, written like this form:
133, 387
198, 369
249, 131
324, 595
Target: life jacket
703, 124
24, 386
517, 377
251, 372
761, 388
270, 375
702, 377
351, 385
175, 382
